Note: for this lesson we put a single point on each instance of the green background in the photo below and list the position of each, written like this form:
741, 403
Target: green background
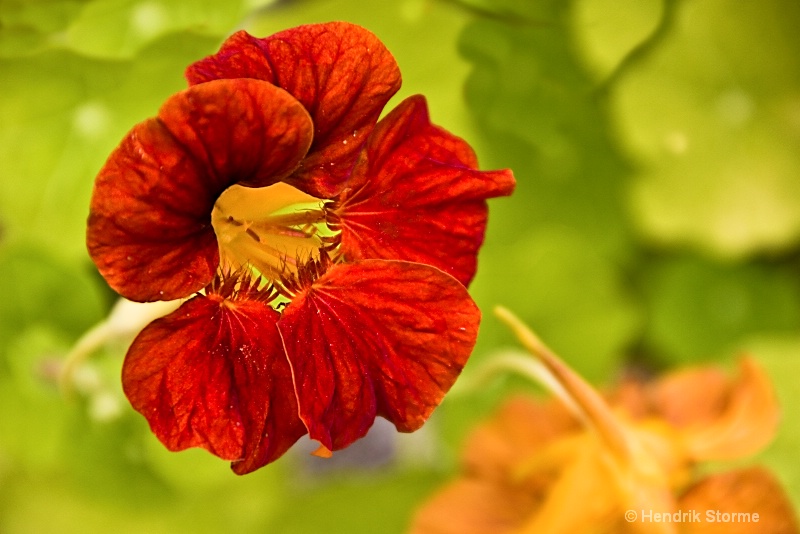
656, 223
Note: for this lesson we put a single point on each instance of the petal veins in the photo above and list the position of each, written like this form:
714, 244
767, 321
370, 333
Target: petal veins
416, 195
376, 337
213, 374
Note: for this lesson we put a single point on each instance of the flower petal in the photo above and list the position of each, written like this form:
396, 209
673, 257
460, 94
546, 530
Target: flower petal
684, 397
474, 506
520, 430
746, 491
213, 374
149, 230
341, 73
747, 424
417, 195
376, 337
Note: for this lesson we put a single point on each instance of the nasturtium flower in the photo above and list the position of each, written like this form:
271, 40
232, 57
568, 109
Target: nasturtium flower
324, 254
583, 463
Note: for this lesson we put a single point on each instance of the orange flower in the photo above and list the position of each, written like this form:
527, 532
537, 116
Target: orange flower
625, 464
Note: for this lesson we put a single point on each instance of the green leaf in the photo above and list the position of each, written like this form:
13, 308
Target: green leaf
607, 31
386, 504
711, 116
119, 28
47, 304
779, 356
516, 11
60, 116
54, 503
555, 248
26, 26
536, 105
32, 433
571, 296
38, 289
700, 309
189, 471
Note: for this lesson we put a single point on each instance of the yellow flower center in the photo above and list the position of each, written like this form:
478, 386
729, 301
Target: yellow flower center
271, 229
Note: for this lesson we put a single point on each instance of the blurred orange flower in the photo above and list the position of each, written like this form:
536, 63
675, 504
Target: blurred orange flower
627, 463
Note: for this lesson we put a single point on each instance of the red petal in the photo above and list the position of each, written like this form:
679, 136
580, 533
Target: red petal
416, 195
213, 374
149, 226
341, 73
376, 337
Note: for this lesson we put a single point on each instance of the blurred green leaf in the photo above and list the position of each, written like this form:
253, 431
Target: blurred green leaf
55, 504
39, 289
32, 432
712, 115
119, 28
60, 116
556, 248
607, 31
104, 482
781, 358
700, 309
360, 504
514, 11
47, 304
28, 25
106, 458
540, 115
192, 470
571, 296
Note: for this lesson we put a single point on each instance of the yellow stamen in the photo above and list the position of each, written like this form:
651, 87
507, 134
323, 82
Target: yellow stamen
269, 229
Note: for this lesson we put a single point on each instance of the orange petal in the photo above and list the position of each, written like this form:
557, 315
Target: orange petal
470, 506
748, 491
746, 425
690, 396
520, 430
322, 452
583, 499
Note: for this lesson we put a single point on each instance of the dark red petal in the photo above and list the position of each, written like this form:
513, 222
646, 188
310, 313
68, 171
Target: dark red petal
213, 374
149, 229
376, 337
416, 195
341, 73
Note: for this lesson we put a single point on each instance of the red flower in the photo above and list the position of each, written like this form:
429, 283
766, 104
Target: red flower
316, 243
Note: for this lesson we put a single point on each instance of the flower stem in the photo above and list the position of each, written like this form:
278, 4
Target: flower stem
597, 414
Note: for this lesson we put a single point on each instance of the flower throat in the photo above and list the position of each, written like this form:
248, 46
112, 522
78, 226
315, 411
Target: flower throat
272, 230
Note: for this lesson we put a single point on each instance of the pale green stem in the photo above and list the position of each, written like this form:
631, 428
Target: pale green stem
596, 412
